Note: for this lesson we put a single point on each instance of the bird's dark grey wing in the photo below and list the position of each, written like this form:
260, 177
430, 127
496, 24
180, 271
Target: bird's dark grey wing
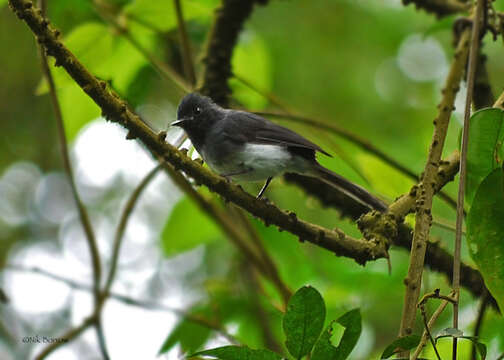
245, 126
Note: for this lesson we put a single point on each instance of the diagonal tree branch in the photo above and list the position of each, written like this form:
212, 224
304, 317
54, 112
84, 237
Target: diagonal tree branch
121, 228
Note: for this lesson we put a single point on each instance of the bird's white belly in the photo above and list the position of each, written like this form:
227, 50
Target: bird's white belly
253, 162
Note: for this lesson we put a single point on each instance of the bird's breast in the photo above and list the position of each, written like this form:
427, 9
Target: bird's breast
249, 162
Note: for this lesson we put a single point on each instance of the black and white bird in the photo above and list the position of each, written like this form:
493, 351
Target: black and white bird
247, 147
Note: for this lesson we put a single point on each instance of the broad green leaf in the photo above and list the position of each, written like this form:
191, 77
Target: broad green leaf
190, 335
485, 232
303, 321
403, 343
485, 150
239, 353
187, 227
160, 15
256, 70
2, 3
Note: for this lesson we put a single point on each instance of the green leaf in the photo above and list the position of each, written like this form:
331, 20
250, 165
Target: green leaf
485, 232
190, 335
2, 3
187, 227
303, 321
403, 343
239, 353
485, 151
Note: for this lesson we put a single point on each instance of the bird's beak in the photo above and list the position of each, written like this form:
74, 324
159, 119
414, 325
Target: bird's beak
180, 122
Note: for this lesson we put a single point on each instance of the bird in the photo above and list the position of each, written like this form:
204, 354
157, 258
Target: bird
243, 146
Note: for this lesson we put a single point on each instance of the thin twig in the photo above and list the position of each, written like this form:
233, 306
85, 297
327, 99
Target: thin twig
123, 222
186, 45
427, 330
272, 98
432, 320
436, 295
473, 61
70, 335
425, 190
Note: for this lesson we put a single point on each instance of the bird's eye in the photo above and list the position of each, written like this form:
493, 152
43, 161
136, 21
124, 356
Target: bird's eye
197, 110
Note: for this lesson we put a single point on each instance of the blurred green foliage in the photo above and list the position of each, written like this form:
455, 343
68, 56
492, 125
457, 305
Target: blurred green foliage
341, 61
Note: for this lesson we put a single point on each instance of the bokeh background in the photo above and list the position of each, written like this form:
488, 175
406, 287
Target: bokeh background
373, 67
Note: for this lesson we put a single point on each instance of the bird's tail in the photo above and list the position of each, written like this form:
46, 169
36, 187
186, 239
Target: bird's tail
349, 188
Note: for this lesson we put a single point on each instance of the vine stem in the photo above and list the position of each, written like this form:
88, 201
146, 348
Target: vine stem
473, 54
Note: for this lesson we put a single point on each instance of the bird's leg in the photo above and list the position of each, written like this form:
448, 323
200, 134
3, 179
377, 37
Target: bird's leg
268, 180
